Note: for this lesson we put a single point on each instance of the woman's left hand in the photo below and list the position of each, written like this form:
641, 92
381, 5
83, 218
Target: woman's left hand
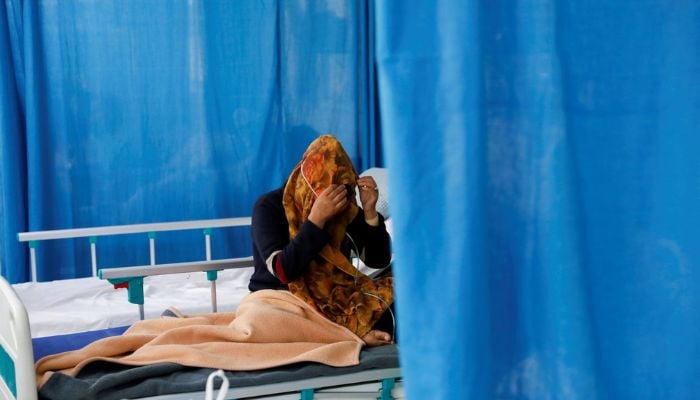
368, 195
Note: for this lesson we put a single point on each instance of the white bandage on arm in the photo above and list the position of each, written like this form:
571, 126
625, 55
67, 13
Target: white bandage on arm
270, 262
373, 221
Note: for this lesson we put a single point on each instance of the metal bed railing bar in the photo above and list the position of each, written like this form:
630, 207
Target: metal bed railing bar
33, 238
135, 228
175, 268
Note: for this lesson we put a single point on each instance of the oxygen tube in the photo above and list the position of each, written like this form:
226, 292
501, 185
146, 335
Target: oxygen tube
357, 276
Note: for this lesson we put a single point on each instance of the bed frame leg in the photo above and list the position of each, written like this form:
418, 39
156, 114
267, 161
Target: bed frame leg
387, 387
307, 394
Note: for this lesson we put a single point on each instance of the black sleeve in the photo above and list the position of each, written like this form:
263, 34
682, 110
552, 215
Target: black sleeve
270, 232
373, 242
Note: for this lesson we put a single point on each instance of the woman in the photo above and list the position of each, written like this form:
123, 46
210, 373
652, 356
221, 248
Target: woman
303, 233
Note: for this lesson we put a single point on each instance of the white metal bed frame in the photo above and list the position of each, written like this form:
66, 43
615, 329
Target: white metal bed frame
16, 359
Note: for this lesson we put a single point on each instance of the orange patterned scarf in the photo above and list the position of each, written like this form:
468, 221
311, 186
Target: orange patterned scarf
331, 283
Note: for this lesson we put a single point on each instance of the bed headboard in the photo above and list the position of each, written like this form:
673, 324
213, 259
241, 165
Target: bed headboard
16, 357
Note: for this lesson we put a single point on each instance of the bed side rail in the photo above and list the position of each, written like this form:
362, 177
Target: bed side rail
131, 278
33, 238
175, 268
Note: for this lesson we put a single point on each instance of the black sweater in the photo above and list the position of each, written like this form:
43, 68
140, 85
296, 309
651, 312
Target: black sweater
270, 231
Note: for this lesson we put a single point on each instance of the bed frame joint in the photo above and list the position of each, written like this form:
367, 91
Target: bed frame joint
307, 394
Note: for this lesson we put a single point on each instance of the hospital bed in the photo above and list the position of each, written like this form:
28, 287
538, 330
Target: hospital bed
150, 288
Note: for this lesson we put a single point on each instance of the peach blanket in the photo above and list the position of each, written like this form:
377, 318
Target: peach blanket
270, 328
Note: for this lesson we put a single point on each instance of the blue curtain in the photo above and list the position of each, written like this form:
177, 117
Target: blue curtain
13, 182
545, 178
125, 111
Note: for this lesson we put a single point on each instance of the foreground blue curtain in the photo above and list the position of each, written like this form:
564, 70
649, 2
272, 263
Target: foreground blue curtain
545, 182
125, 111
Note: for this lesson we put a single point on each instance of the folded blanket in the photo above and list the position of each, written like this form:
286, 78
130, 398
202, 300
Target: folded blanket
270, 328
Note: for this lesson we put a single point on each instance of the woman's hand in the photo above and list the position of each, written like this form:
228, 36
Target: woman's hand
368, 196
329, 203
377, 338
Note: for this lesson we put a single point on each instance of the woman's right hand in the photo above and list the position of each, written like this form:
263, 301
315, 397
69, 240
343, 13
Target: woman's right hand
329, 203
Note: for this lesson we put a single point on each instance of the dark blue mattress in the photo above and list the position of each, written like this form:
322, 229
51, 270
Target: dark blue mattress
58, 344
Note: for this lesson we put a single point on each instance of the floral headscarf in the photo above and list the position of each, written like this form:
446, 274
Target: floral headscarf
331, 283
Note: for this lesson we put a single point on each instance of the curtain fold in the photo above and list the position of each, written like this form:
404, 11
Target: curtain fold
545, 182
13, 183
118, 113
